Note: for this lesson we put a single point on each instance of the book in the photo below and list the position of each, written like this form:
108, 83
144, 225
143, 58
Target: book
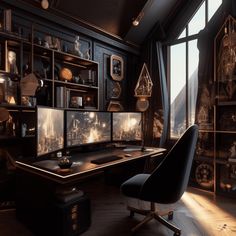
7, 20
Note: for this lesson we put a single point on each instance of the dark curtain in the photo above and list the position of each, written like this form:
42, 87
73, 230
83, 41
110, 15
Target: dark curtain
156, 117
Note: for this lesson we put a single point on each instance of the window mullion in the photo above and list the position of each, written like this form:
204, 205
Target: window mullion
187, 90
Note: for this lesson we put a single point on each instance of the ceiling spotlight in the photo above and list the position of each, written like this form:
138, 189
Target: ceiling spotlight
44, 4
137, 20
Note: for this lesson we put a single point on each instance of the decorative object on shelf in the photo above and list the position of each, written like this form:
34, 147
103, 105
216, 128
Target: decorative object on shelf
115, 106
47, 43
232, 152
89, 102
65, 74
143, 89
205, 145
88, 77
56, 44
46, 66
113, 89
23, 129
204, 175
10, 95
29, 84
11, 62
227, 119
87, 54
117, 68
28, 101
7, 20
77, 46
76, 102
227, 54
225, 47
4, 114
204, 115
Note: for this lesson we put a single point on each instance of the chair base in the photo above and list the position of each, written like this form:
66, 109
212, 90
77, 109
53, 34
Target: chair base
154, 214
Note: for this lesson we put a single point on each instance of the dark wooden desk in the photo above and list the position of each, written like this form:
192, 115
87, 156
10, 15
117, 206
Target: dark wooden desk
48, 200
82, 166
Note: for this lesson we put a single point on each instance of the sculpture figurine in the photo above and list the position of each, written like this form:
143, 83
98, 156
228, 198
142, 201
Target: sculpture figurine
12, 62
77, 46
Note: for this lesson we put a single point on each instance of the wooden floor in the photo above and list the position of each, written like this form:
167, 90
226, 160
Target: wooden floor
197, 214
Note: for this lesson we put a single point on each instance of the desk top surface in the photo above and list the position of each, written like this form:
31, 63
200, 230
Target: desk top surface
81, 162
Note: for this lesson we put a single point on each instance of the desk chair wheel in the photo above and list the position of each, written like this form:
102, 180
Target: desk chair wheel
170, 215
177, 234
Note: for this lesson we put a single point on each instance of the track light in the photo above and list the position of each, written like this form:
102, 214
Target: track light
137, 20
44, 4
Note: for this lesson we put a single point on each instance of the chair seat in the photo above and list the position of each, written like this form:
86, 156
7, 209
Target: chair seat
132, 187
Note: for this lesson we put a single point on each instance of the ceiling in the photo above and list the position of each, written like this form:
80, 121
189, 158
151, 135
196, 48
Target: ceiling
115, 17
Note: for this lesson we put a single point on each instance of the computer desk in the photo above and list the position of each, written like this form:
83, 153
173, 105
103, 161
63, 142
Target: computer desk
81, 163
49, 200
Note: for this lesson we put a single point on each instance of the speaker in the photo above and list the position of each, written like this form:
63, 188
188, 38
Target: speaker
71, 217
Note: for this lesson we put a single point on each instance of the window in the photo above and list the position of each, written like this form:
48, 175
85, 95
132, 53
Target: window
183, 72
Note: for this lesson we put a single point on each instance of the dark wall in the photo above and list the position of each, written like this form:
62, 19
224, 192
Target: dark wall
101, 47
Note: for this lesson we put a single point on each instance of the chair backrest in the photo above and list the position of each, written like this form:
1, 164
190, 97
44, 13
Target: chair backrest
169, 180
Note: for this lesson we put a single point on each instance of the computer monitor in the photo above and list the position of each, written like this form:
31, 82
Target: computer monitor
126, 126
50, 130
87, 127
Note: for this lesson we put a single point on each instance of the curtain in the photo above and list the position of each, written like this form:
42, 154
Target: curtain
156, 117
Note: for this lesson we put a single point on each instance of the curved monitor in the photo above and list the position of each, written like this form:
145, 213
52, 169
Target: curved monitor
50, 130
87, 127
126, 126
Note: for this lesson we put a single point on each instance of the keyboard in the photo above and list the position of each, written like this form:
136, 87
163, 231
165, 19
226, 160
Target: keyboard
103, 160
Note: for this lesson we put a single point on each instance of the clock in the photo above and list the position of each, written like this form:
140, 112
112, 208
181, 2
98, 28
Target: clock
204, 175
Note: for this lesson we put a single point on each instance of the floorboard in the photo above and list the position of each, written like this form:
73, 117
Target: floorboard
197, 214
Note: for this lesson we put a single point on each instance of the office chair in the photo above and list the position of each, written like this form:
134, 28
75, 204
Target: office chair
167, 183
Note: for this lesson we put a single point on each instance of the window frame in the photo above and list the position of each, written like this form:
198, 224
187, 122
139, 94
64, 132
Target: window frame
185, 40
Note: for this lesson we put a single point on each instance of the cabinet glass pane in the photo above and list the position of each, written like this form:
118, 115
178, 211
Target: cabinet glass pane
202, 175
226, 176
205, 145
226, 147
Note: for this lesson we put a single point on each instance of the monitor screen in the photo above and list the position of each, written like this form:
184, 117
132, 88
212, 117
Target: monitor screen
127, 126
50, 130
83, 127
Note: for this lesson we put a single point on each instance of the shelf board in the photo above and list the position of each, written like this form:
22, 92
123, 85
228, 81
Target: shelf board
226, 103
12, 76
17, 107
8, 137
225, 132
221, 161
76, 85
203, 158
12, 36
206, 131
71, 58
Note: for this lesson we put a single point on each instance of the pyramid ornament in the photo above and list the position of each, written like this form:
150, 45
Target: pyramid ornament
143, 89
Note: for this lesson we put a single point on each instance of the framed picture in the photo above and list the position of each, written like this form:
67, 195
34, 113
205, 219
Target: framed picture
76, 102
117, 68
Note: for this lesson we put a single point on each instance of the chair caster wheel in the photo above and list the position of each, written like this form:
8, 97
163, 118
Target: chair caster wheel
131, 214
170, 215
177, 234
